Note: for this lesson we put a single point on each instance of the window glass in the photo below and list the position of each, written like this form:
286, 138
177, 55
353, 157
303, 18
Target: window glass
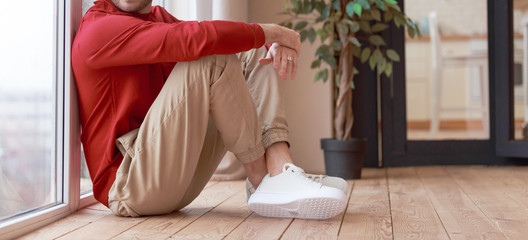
28, 167
520, 69
447, 71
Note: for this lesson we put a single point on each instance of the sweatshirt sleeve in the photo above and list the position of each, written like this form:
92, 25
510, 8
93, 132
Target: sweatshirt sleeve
117, 40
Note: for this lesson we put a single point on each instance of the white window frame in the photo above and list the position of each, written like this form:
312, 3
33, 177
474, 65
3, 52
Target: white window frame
68, 146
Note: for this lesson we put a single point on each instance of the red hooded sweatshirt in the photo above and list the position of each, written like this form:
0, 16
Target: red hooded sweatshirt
121, 61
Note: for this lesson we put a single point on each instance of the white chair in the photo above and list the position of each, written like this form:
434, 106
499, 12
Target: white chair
439, 62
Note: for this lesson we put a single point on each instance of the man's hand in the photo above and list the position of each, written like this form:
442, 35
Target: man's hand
285, 49
279, 56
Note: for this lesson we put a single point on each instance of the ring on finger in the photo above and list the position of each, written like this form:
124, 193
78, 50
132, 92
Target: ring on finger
290, 59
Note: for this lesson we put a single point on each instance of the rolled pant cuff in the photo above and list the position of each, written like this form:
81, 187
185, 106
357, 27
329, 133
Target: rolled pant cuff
275, 135
252, 154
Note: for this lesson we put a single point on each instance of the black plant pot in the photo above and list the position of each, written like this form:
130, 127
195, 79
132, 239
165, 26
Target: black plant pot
344, 158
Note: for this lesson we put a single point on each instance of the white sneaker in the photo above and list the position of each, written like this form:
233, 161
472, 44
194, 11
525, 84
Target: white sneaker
335, 182
294, 194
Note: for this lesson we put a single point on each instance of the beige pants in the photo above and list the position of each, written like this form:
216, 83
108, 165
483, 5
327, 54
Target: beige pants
205, 108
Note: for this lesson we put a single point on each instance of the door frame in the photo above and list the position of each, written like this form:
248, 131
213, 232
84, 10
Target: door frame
398, 151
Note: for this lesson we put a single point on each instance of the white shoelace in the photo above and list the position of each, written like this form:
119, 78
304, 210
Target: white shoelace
312, 177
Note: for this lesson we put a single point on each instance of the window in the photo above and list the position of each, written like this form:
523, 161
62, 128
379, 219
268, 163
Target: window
28, 136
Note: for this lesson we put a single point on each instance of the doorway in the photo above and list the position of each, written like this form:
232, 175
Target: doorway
457, 97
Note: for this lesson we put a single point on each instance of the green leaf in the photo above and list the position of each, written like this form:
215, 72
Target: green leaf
353, 25
296, 6
380, 4
354, 41
356, 51
328, 27
311, 35
352, 85
381, 65
316, 64
336, 45
391, 1
322, 34
393, 55
300, 25
377, 56
357, 9
365, 54
342, 28
356, 71
289, 25
377, 40
308, 7
324, 75
394, 6
320, 7
376, 14
399, 21
388, 16
326, 11
372, 62
335, 4
350, 9
303, 34
365, 26
322, 51
378, 27
318, 76
330, 59
411, 32
364, 4
388, 69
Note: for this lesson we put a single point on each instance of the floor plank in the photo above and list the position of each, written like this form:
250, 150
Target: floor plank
368, 214
460, 216
316, 229
462, 202
162, 227
104, 228
66, 225
220, 221
98, 206
413, 216
507, 215
512, 181
256, 227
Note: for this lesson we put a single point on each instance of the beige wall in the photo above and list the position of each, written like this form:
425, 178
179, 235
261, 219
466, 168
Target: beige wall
308, 104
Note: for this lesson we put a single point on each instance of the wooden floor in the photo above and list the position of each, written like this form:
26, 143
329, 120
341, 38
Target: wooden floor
395, 203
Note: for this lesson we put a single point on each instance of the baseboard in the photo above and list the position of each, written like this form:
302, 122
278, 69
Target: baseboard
453, 124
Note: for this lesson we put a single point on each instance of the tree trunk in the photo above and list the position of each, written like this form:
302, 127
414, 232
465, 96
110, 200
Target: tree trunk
344, 117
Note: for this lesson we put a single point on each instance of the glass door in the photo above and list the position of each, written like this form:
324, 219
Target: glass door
512, 79
440, 105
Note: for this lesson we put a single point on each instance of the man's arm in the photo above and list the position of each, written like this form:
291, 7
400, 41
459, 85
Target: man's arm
117, 40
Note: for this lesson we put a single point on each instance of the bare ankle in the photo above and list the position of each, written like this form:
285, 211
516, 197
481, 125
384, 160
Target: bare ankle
256, 170
277, 155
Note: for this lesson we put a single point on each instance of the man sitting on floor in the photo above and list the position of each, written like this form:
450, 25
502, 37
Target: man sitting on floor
162, 100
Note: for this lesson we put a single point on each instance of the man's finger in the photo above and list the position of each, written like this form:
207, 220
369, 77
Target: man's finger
294, 69
277, 60
284, 66
265, 61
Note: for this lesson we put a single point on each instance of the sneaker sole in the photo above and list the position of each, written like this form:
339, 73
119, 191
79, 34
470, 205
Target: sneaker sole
307, 208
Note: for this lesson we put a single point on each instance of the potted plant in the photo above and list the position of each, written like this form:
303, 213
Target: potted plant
350, 32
